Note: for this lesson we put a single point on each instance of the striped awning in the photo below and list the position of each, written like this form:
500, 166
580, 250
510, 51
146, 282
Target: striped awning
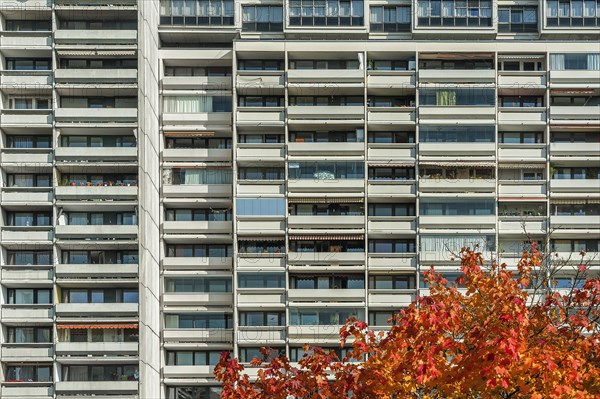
593, 126
520, 56
522, 165
85, 53
453, 56
95, 326
203, 166
391, 165
326, 200
262, 238
459, 164
579, 201
521, 199
571, 91
188, 134
327, 237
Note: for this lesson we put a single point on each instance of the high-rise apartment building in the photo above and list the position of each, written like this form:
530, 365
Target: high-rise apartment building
181, 178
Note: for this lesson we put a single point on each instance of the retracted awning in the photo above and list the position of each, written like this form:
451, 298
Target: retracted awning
95, 326
520, 56
571, 91
522, 165
459, 164
204, 166
189, 134
390, 165
575, 201
262, 238
85, 53
327, 237
326, 200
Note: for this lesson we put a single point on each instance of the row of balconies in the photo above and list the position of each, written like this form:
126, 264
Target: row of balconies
46, 313
47, 390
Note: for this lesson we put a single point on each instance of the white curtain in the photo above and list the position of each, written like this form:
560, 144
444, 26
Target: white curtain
593, 62
376, 15
448, 9
207, 176
187, 104
423, 8
332, 8
445, 243
193, 176
557, 62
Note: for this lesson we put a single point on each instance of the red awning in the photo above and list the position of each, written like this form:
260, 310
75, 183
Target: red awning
327, 238
95, 326
390, 165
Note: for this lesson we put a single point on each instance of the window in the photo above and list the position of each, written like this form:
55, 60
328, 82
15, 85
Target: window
28, 258
193, 358
101, 372
196, 215
330, 209
195, 392
575, 101
27, 219
199, 250
354, 136
29, 373
193, 284
326, 170
261, 173
29, 296
392, 282
380, 101
199, 320
453, 243
261, 138
437, 61
390, 19
28, 180
521, 101
28, 141
261, 280
29, 335
331, 101
196, 104
327, 282
197, 142
100, 257
459, 13
260, 206
214, 175
572, 13
574, 210
473, 97
260, 101
324, 64
391, 209
574, 137
262, 18
28, 64
260, 65
392, 246
430, 207
98, 63
457, 134
391, 173
108, 295
261, 246
380, 317
324, 316
521, 138
517, 19
575, 61
324, 245
97, 141
98, 25
24, 25
575, 173
101, 218
391, 137
20, 103
197, 12
260, 319
317, 13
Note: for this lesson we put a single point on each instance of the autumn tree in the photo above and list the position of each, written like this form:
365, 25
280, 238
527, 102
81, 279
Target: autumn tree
494, 333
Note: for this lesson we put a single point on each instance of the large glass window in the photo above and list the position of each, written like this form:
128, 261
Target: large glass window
472, 97
29, 373
29, 335
194, 284
392, 246
517, 19
196, 104
101, 372
262, 18
459, 13
430, 207
392, 282
391, 209
199, 320
28, 64
260, 206
454, 242
27, 258
390, 19
195, 392
29, 296
259, 319
327, 282
324, 316
315, 13
261, 280
572, 13
197, 12
199, 250
326, 170
202, 176
457, 134
575, 61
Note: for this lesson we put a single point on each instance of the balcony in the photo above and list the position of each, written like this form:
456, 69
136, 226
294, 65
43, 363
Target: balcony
186, 335
590, 223
197, 82
584, 114
29, 390
97, 37
23, 195
96, 76
521, 79
96, 192
591, 187
260, 152
260, 80
27, 313
96, 115
27, 352
261, 225
327, 257
34, 4
457, 149
96, 309
34, 40
196, 154
198, 299
206, 263
171, 227
176, 373
326, 222
516, 225
264, 335
27, 275
26, 234
386, 225
385, 188
326, 76
333, 185
574, 79
261, 187
462, 222
212, 120
457, 185
351, 114
26, 156
29, 118
261, 298
197, 190
327, 295
88, 348
105, 231
574, 150
396, 262
391, 298
522, 188
253, 261
522, 152
331, 149
260, 116
481, 114
107, 271
318, 334
519, 116
96, 387
23, 79
95, 153
391, 115
390, 79
405, 152
457, 76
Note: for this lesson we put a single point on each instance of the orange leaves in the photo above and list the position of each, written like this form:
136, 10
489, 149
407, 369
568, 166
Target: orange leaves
477, 340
